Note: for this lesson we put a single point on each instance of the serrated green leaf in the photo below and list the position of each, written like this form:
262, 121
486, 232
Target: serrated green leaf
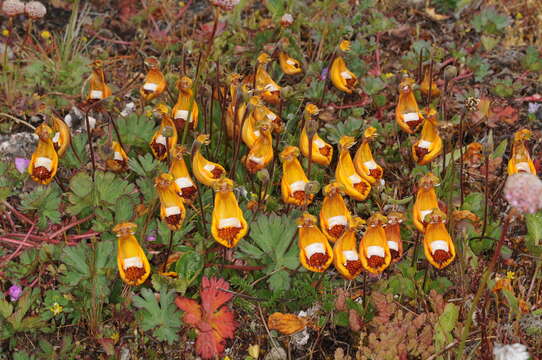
161, 317
279, 281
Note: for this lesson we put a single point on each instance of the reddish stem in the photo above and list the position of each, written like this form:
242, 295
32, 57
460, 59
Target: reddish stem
21, 216
237, 267
69, 226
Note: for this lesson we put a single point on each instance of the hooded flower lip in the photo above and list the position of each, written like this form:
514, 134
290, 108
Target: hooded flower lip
315, 253
132, 263
322, 152
205, 171
289, 66
256, 116
98, 88
155, 82
119, 162
165, 137
294, 181
429, 146
424, 86
61, 138
407, 113
266, 87
393, 235
364, 162
228, 223
172, 211
233, 123
179, 171
374, 251
180, 111
345, 173
438, 246
334, 215
345, 252
520, 160
342, 78
44, 162
261, 154
426, 200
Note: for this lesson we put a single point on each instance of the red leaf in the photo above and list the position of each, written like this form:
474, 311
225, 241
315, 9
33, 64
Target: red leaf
192, 310
214, 321
211, 297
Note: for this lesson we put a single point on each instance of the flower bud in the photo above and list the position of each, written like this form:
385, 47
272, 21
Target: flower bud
450, 72
35, 10
263, 176
13, 7
312, 187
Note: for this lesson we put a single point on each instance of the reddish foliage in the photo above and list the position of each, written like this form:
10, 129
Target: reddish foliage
213, 321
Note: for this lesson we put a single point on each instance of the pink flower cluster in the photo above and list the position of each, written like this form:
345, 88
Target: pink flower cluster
33, 9
524, 192
226, 5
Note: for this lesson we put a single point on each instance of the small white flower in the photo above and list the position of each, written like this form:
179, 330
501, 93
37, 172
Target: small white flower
510, 352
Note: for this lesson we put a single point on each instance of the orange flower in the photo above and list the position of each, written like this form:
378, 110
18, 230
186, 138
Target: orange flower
119, 162
289, 65
407, 113
249, 132
155, 82
426, 200
334, 215
268, 89
98, 88
342, 78
205, 171
165, 137
62, 137
185, 104
228, 223
364, 162
172, 211
520, 161
315, 253
44, 162
233, 124
261, 154
393, 235
345, 173
438, 246
294, 181
345, 253
430, 144
424, 86
322, 152
132, 263
180, 173
373, 248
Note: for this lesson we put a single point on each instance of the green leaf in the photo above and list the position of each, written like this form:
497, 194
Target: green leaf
136, 130
6, 309
445, 325
534, 232
161, 317
46, 200
279, 281
71, 158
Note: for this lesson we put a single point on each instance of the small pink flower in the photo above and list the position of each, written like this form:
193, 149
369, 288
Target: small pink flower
12, 7
35, 10
226, 5
21, 164
524, 192
15, 292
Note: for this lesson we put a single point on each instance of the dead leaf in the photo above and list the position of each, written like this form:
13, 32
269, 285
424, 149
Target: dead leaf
286, 323
506, 114
354, 320
462, 215
340, 302
434, 16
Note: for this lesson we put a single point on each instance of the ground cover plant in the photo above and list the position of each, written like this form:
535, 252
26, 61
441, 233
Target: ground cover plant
235, 179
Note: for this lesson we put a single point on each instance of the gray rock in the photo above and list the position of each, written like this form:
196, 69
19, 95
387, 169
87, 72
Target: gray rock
17, 145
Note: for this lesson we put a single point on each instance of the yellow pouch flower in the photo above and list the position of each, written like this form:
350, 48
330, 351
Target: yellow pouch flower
355, 186
364, 162
294, 181
315, 253
407, 113
373, 249
44, 162
228, 223
172, 211
134, 268
429, 146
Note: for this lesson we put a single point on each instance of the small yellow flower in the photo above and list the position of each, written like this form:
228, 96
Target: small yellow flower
387, 75
510, 275
519, 16
5, 32
45, 35
56, 309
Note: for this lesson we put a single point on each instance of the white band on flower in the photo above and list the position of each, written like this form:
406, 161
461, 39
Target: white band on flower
172, 210
290, 62
209, 167
181, 114
56, 137
314, 248
117, 156
424, 213
150, 87
257, 160
370, 165
412, 116
184, 182
424, 144
96, 94
45, 162
229, 222
523, 166
298, 186
132, 262
439, 245
355, 179
336, 220
350, 255
346, 75
161, 139
271, 116
376, 251
319, 143
393, 245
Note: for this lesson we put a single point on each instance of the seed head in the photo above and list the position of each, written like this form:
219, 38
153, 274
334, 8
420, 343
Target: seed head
13, 7
524, 192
